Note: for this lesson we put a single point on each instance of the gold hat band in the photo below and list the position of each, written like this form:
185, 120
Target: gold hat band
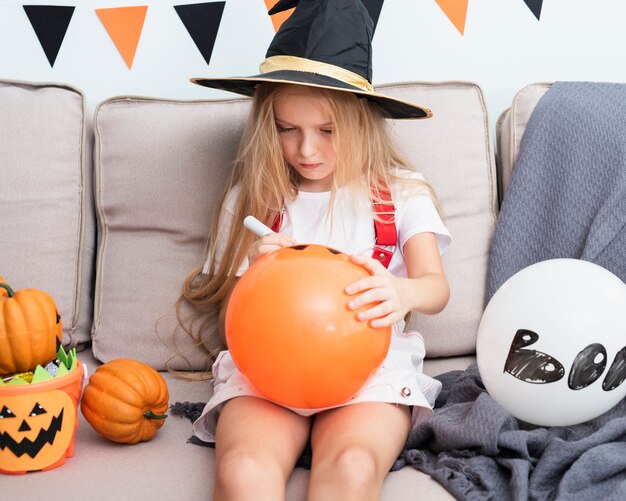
294, 63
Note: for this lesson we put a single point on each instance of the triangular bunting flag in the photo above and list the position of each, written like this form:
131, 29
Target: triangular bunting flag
202, 21
50, 23
124, 25
279, 18
535, 7
374, 7
456, 10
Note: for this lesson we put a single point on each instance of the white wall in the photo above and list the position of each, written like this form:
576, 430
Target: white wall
504, 47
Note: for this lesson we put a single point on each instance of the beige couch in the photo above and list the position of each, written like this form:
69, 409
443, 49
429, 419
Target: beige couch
109, 212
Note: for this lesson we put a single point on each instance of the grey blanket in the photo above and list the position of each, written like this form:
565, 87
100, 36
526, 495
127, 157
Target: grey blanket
567, 198
478, 451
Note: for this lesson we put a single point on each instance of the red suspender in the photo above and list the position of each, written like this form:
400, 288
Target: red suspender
385, 233
277, 222
384, 230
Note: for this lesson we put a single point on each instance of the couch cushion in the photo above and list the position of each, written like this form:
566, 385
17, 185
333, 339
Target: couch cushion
159, 168
511, 126
453, 151
45, 222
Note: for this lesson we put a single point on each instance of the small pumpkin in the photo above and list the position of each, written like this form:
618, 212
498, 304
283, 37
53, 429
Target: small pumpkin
125, 401
30, 329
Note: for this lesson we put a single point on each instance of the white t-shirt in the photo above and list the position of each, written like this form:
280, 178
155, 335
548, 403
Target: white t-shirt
350, 226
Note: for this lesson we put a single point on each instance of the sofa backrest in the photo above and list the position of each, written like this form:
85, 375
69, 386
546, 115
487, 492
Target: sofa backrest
46, 215
510, 129
158, 168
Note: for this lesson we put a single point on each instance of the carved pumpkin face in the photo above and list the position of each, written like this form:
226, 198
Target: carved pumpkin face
35, 430
38, 423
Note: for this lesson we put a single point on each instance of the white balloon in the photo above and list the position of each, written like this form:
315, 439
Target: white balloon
551, 346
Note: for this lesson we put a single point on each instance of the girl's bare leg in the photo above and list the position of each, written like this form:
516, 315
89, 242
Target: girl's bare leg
353, 449
257, 445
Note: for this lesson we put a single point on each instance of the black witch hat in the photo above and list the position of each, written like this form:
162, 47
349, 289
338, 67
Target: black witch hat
324, 43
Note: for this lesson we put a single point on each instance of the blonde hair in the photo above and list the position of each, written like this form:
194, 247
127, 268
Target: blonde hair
265, 181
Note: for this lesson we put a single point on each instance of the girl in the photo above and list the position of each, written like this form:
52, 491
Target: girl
315, 157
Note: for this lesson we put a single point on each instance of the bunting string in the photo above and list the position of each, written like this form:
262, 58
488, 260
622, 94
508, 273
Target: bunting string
124, 25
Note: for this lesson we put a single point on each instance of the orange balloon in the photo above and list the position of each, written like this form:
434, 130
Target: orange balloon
289, 329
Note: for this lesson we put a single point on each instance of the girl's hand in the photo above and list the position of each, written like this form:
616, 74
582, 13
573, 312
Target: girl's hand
383, 291
267, 244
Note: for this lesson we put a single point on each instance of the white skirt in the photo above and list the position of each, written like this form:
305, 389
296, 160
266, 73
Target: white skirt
399, 380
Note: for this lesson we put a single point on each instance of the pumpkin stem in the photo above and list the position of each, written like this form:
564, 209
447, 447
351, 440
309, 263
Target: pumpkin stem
9, 290
152, 415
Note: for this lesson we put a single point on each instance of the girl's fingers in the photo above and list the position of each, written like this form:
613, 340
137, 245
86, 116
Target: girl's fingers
379, 288
266, 249
381, 315
371, 282
370, 295
277, 239
378, 311
269, 243
370, 264
386, 321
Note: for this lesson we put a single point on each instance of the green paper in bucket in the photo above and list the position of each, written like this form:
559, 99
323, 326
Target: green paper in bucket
67, 363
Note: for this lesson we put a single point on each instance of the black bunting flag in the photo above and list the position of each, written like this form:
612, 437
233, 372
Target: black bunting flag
535, 7
50, 23
202, 21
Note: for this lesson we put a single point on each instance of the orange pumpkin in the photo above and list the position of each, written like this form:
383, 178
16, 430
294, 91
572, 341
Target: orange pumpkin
30, 329
125, 401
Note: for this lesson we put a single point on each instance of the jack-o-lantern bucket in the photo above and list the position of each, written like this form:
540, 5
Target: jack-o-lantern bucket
38, 422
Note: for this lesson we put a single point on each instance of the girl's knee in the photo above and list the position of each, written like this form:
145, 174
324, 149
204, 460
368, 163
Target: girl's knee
237, 468
356, 466
234, 466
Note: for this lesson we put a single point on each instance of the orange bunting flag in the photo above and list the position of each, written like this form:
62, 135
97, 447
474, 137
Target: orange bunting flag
124, 25
279, 18
456, 10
